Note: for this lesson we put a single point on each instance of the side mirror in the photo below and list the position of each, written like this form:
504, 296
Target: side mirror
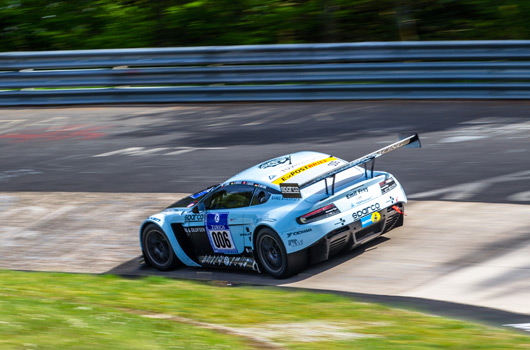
199, 208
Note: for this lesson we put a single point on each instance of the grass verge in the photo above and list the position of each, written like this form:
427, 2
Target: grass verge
65, 311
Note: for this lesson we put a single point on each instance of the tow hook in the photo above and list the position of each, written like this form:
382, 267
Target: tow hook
396, 208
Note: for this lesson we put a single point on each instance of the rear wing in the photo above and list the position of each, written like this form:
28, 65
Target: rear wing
293, 190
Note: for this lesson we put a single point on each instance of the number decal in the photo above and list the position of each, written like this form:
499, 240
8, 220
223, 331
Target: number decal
219, 233
221, 239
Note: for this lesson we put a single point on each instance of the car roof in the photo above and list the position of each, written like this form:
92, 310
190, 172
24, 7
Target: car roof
291, 168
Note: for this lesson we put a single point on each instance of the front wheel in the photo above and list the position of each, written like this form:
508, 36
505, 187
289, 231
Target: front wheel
274, 259
157, 249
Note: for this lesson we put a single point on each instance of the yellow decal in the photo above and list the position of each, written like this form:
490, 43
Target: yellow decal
376, 217
301, 170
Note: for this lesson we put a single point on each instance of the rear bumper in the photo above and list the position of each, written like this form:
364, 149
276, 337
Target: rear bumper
353, 235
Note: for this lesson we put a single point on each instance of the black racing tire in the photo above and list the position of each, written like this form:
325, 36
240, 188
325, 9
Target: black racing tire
273, 257
157, 249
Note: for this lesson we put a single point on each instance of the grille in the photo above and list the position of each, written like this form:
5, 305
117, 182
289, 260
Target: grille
372, 230
362, 234
337, 245
391, 221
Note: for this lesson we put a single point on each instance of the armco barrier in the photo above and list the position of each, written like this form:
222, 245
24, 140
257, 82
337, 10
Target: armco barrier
391, 70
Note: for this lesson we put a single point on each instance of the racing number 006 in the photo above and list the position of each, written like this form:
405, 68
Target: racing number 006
221, 239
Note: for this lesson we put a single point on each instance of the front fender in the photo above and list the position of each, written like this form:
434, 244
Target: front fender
160, 220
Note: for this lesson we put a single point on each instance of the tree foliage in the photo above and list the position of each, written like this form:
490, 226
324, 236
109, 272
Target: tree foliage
91, 24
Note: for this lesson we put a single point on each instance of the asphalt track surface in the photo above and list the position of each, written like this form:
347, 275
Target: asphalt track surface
466, 240
472, 151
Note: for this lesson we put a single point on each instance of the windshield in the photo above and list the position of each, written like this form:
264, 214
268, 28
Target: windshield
190, 201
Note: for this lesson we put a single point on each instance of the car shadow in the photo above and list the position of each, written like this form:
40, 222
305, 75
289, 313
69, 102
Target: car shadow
137, 268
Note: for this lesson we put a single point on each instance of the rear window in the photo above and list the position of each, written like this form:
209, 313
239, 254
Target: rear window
190, 201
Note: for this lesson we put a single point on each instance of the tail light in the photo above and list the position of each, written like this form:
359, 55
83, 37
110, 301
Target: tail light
319, 214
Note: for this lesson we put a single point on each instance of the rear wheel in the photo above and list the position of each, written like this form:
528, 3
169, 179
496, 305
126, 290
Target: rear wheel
273, 257
157, 249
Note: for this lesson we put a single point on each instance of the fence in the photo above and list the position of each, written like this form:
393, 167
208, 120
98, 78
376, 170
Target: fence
302, 72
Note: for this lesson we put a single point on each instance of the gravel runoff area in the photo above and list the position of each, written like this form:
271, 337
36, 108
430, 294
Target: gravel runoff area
469, 253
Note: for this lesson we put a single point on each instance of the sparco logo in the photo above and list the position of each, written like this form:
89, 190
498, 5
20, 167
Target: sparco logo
357, 191
360, 213
194, 217
290, 189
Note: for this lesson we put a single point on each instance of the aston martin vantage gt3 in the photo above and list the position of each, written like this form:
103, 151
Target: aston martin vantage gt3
279, 215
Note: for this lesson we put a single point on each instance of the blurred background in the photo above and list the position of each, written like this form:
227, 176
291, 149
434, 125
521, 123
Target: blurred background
98, 24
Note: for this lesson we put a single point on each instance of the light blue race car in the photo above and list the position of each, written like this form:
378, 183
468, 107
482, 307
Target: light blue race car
280, 215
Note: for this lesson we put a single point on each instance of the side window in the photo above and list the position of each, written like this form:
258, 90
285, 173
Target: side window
230, 197
260, 197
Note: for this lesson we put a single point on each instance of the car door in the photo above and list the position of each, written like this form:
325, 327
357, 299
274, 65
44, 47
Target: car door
223, 218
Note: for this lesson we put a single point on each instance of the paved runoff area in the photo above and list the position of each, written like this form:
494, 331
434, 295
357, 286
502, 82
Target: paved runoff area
459, 252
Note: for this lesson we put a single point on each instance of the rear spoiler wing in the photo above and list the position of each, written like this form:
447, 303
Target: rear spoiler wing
292, 190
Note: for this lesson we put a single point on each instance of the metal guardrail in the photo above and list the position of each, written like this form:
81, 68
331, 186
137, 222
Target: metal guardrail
392, 70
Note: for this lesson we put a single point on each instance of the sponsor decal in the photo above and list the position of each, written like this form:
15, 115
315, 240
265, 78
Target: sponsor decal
267, 218
154, 219
365, 211
387, 185
362, 194
295, 242
219, 233
301, 169
194, 218
290, 190
200, 194
232, 261
356, 191
391, 200
334, 163
390, 148
299, 232
248, 183
341, 222
279, 197
196, 229
286, 168
370, 219
274, 162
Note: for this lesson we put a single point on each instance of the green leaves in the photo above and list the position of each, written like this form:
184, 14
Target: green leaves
91, 24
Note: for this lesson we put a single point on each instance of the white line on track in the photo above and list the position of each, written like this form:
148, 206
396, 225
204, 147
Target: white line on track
143, 151
470, 189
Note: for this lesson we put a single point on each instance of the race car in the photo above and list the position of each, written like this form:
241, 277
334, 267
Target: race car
279, 215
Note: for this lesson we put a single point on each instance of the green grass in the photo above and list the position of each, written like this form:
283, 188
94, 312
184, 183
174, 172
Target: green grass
64, 311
